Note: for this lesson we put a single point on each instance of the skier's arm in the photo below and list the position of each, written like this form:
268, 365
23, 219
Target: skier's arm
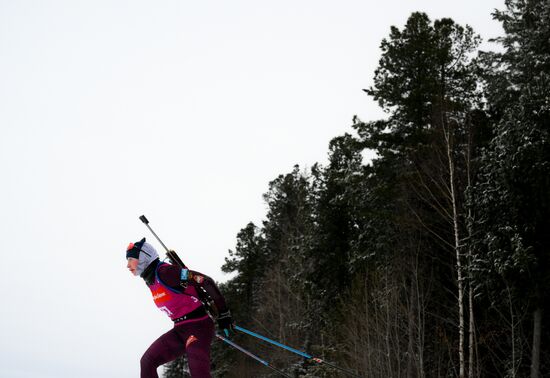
224, 319
208, 284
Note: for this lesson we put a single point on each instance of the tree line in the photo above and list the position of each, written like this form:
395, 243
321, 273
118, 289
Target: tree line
431, 260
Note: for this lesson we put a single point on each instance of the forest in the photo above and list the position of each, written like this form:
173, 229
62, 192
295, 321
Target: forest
433, 258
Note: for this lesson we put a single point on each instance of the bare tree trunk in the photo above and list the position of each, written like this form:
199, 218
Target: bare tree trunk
513, 333
410, 328
280, 305
471, 333
421, 313
471, 322
535, 355
457, 251
388, 329
369, 344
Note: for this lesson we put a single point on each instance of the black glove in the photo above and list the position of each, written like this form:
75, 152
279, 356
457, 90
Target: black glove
225, 322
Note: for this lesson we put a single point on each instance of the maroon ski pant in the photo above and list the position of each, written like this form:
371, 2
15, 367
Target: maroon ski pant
192, 338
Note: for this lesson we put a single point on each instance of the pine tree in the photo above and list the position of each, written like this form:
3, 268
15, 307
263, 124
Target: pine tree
268, 291
513, 194
427, 81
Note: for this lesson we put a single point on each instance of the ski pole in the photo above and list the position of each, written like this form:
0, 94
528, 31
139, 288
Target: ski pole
172, 255
249, 354
296, 351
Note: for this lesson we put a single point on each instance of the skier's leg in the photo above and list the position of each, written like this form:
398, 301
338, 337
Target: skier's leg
166, 348
198, 337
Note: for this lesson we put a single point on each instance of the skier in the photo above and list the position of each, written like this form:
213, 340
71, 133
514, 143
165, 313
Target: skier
177, 292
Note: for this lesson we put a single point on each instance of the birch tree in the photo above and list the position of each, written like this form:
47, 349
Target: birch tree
426, 81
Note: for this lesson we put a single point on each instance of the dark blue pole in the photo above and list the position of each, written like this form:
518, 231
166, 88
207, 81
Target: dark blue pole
249, 354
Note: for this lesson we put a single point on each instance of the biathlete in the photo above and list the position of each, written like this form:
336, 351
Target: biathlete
178, 292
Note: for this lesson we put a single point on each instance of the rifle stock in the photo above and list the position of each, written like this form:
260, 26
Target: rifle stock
175, 259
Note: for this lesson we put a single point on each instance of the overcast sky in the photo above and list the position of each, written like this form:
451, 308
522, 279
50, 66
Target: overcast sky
180, 110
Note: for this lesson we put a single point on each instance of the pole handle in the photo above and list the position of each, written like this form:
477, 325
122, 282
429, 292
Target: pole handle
143, 219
